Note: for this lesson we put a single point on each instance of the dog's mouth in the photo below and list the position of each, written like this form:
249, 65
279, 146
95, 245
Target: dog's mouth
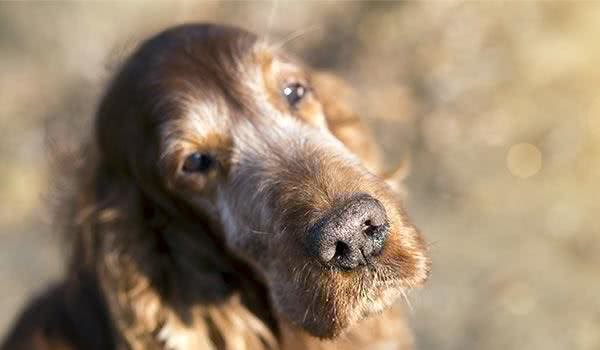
352, 262
326, 300
328, 312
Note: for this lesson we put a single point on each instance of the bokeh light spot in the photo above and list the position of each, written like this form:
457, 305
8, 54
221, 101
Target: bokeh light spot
524, 160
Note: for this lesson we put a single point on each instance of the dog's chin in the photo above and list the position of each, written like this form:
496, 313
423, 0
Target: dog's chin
334, 315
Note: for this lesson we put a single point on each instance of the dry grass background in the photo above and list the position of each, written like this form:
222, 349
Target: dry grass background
498, 103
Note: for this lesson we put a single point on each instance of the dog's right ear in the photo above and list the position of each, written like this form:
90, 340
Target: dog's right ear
335, 95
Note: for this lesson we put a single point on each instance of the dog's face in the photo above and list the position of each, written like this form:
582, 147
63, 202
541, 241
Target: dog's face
234, 131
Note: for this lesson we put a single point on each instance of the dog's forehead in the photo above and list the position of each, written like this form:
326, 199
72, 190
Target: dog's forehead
214, 94
231, 77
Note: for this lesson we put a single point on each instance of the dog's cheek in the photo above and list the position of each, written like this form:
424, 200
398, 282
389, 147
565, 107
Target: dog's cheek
250, 246
405, 258
239, 238
304, 306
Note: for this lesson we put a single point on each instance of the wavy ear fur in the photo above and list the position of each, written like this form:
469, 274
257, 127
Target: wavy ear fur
167, 282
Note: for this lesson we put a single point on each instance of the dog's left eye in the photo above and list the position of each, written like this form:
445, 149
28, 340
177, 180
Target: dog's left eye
294, 93
198, 162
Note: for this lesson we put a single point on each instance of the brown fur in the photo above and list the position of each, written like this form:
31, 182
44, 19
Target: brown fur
168, 260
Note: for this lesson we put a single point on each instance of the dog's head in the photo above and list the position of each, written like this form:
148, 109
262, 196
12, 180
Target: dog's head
213, 123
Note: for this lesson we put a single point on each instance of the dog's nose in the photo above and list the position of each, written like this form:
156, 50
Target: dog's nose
350, 234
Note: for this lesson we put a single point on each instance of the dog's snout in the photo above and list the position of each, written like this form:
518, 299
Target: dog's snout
350, 234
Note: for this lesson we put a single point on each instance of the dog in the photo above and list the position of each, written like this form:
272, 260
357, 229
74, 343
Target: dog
231, 199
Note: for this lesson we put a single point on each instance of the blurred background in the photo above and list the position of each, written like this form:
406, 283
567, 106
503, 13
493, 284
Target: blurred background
497, 103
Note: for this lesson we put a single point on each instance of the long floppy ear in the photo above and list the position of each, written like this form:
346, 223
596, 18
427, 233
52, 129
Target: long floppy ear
343, 122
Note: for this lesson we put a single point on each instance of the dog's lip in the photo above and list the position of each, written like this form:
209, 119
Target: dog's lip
372, 264
367, 264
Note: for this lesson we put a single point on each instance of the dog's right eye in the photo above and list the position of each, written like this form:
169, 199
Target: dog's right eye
294, 93
198, 163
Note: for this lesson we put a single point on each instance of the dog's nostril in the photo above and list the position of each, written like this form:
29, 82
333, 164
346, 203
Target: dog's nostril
370, 230
341, 250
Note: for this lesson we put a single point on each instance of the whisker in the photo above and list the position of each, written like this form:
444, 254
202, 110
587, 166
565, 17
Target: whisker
294, 35
270, 20
431, 244
408, 303
260, 232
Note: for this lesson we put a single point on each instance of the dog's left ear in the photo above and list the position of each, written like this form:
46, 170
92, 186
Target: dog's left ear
395, 178
335, 96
